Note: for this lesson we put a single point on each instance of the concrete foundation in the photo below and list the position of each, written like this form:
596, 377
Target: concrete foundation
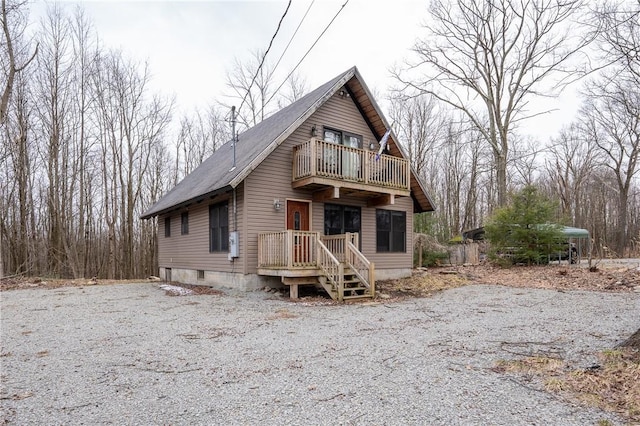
249, 282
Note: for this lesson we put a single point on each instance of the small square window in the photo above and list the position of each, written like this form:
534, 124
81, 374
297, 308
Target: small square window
200, 274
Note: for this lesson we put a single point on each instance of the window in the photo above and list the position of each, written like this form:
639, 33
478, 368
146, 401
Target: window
200, 274
342, 138
343, 162
184, 223
219, 227
391, 231
341, 219
167, 227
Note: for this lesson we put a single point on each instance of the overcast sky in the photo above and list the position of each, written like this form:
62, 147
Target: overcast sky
191, 44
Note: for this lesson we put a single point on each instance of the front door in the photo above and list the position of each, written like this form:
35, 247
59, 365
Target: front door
298, 220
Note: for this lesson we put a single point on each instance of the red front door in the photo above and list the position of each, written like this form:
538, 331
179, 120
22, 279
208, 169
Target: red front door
298, 220
298, 215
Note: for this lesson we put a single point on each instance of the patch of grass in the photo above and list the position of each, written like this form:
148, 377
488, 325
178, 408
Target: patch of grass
613, 386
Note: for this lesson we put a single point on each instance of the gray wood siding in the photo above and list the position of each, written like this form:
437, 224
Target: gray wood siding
272, 180
191, 251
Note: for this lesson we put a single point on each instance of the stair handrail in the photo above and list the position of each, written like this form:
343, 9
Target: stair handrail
332, 268
362, 267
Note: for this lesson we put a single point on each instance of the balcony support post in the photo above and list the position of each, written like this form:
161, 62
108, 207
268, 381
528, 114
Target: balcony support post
330, 193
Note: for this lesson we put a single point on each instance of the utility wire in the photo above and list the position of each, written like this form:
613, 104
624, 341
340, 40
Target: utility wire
294, 34
305, 55
263, 57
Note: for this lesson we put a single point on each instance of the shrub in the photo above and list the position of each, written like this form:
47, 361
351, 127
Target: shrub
522, 232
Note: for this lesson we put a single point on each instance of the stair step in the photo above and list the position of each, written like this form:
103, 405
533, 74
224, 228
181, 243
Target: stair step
359, 296
355, 288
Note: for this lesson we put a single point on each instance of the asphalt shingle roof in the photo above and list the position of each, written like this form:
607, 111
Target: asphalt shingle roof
216, 172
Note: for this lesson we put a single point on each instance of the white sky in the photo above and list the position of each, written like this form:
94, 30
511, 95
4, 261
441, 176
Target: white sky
191, 44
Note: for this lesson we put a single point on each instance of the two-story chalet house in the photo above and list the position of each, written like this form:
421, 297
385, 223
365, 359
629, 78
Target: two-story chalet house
307, 202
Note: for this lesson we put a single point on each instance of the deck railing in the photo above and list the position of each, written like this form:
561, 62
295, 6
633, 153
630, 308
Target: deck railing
332, 268
329, 253
361, 266
326, 159
336, 243
287, 249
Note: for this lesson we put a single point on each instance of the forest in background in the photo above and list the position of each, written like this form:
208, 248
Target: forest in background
87, 146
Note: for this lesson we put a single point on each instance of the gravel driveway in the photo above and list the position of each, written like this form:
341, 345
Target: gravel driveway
130, 354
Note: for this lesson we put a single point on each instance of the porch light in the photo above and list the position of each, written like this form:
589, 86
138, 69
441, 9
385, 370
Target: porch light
314, 131
277, 205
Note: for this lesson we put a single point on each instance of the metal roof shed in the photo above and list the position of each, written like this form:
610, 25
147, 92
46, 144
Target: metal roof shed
571, 232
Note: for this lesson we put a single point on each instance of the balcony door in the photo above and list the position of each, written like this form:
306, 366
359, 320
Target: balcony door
345, 164
298, 220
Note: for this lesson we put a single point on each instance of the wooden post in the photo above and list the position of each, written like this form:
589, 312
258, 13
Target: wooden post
341, 283
367, 167
293, 291
372, 279
289, 248
314, 159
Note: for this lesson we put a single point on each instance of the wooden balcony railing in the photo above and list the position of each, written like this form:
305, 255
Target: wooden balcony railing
318, 158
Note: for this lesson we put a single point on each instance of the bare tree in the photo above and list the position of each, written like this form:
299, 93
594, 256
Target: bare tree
570, 166
251, 86
132, 123
489, 58
199, 136
619, 36
613, 115
10, 65
612, 108
295, 88
12, 21
420, 125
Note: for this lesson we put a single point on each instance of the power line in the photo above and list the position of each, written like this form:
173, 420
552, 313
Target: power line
264, 56
305, 55
294, 34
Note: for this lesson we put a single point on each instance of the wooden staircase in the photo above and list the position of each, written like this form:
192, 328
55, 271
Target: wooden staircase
308, 258
352, 287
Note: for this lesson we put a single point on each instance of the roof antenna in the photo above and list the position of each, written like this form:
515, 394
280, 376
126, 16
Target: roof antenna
234, 138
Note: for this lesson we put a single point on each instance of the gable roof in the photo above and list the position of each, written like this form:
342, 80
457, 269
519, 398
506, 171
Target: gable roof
217, 175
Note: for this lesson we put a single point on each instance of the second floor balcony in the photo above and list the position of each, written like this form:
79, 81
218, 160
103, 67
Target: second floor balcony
318, 163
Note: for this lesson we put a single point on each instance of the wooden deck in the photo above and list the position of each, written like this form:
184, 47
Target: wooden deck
320, 164
305, 257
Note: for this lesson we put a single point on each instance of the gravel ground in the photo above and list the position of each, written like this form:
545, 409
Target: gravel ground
130, 354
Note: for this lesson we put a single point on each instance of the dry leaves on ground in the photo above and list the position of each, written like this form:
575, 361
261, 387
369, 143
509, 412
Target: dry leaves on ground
612, 385
425, 281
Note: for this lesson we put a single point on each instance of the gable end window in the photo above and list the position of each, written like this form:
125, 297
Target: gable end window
167, 227
184, 223
219, 227
391, 231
